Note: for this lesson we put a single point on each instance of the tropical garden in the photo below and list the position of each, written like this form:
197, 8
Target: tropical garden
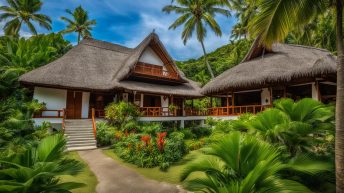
295, 146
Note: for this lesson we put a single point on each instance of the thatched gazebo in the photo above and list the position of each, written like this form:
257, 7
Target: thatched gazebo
286, 70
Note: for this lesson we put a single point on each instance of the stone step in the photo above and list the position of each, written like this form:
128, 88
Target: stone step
81, 144
78, 125
79, 131
74, 134
81, 137
74, 141
81, 148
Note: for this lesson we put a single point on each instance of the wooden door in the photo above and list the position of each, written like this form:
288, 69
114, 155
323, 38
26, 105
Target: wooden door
74, 104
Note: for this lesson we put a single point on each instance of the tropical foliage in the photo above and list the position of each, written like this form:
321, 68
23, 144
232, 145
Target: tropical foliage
243, 163
121, 113
37, 169
19, 12
79, 23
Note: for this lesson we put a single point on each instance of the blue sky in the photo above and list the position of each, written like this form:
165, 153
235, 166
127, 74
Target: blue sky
127, 22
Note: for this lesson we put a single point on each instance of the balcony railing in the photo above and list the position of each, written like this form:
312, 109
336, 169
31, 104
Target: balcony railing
236, 110
157, 71
49, 114
157, 112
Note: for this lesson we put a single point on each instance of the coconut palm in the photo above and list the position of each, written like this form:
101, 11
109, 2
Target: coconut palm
79, 24
276, 19
23, 11
242, 163
196, 15
36, 170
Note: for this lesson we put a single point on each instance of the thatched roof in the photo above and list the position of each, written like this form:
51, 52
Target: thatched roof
102, 66
283, 64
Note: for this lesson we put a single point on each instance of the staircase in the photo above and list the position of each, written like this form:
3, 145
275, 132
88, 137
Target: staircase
79, 134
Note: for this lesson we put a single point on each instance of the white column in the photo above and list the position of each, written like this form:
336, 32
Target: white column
315, 93
85, 104
141, 102
265, 96
182, 124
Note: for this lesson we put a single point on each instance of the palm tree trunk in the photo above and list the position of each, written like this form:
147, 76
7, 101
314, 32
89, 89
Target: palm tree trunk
78, 37
206, 61
339, 144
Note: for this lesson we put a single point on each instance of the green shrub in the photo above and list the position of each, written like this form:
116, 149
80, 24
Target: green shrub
188, 134
201, 131
134, 149
121, 113
105, 134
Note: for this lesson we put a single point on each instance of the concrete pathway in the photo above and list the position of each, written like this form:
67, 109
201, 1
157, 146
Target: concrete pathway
114, 178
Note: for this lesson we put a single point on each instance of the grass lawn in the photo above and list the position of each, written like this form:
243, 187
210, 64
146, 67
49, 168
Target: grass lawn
171, 175
87, 177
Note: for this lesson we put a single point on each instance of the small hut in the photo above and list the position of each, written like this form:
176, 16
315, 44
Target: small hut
286, 70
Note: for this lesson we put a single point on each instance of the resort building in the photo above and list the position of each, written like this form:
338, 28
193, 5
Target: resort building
95, 73
265, 75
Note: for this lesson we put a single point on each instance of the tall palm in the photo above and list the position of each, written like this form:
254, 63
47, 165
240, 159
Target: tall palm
241, 164
273, 23
79, 23
23, 11
196, 15
244, 12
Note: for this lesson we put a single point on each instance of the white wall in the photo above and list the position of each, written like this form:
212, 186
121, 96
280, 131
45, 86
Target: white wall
314, 91
150, 57
164, 103
55, 99
265, 96
85, 104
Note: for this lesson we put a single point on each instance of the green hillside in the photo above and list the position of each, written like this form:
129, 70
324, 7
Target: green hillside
220, 60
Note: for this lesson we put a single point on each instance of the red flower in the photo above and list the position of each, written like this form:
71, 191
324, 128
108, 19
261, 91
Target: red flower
161, 141
146, 139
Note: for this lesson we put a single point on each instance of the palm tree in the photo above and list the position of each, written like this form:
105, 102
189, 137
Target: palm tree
273, 23
195, 15
242, 163
79, 24
36, 169
23, 11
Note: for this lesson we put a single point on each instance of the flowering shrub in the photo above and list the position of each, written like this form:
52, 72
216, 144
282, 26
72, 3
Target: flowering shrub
147, 150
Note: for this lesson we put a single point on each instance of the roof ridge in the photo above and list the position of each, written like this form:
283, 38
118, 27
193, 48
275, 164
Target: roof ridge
87, 42
305, 46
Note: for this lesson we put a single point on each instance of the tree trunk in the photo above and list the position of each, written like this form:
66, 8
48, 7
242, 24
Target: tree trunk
78, 37
339, 144
206, 61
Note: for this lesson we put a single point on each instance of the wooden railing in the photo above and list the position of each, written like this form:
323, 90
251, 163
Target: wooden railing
63, 119
236, 110
195, 112
94, 125
155, 71
49, 114
157, 112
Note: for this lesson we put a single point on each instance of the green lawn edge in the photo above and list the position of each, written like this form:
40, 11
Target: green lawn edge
86, 176
173, 173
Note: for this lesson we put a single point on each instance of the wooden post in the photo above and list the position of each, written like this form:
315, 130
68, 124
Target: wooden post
270, 89
318, 90
232, 102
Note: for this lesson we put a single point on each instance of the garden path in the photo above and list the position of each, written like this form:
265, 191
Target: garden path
115, 178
